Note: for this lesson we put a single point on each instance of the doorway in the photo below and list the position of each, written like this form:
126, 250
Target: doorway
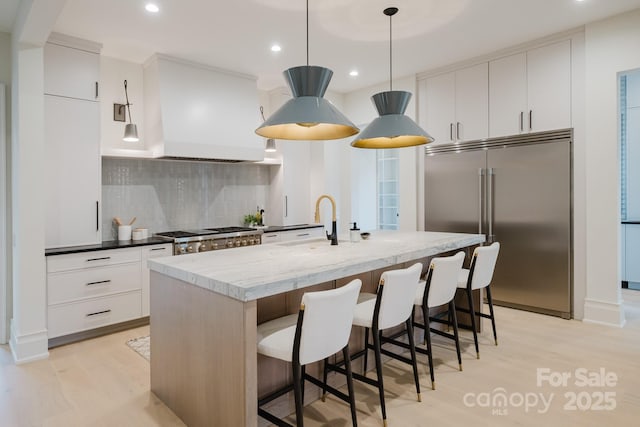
629, 143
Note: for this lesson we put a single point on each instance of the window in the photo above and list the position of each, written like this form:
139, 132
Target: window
388, 188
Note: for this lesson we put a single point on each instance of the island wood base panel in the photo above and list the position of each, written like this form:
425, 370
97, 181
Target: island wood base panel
192, 328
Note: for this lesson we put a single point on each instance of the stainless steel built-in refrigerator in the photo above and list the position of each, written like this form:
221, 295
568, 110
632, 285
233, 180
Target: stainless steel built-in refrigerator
517, 191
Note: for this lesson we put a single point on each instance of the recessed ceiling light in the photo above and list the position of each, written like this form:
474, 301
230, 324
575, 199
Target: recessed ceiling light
276, 48
353, 73
152, 7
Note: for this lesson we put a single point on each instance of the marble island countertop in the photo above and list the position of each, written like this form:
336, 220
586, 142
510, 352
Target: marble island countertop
250, 273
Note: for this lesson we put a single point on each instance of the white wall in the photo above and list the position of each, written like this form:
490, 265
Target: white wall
113, 73
611, 47
5, 154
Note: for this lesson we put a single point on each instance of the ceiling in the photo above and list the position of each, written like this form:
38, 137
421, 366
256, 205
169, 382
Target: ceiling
343, 34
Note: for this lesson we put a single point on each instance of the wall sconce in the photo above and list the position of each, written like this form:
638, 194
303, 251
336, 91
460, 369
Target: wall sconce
119, 115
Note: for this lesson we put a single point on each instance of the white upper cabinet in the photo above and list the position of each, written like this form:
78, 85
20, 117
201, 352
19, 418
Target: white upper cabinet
71, 72
72, 143
457, 105
531, 91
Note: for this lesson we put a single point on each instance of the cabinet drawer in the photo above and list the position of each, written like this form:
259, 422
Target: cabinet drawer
157, 251
92, 282
64, 319
91, 259
270, 238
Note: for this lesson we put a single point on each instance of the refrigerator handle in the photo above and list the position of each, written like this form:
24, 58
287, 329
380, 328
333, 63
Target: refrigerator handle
481, 203
491, 174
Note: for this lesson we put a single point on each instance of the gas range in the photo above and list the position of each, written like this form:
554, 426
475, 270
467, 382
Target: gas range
212, 239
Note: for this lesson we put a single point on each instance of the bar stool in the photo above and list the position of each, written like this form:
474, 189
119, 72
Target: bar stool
320, 329
478, 276
438, 289
390, 307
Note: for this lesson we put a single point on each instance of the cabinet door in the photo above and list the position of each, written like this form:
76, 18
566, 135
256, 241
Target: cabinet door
632, 252
440, 104
73, 169
472, 103
296, 164
549, 87
507, 95
71, 72
149, 252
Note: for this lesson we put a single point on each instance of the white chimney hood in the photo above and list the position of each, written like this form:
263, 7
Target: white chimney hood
194, 111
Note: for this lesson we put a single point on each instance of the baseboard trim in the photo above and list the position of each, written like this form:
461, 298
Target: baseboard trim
603, 313
28, 347
98, 332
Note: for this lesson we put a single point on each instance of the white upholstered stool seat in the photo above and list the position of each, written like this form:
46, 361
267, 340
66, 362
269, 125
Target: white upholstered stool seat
321, 328
391, 306
479, 276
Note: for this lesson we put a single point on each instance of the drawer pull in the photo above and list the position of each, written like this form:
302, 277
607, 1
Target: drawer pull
270, 236
158, 249
99, 312
98, 283
302, 235
99, 259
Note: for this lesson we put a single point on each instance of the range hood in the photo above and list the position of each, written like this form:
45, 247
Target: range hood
194, 111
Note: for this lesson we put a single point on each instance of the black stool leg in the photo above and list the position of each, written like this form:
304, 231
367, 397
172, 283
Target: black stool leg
427, 335
303, 372
493, 319
472, 313
297, 392
352, 398
324, 378
412, 347
366, 351
376, 348
452, 313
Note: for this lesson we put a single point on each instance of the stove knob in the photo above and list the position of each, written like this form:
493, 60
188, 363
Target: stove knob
230, 244
189, 248
252, 242
214, 246
203, 247
181, 250
244, 243
237, 243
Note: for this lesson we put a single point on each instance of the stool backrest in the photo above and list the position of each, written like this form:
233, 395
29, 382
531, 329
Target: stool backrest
442, 279
483, 265
326, 324
397, 295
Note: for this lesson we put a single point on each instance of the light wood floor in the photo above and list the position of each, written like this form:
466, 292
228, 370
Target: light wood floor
101, 382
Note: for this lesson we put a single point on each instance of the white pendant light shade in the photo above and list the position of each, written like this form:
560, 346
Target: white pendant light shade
271, 146
308, 116
392, 129
130, 133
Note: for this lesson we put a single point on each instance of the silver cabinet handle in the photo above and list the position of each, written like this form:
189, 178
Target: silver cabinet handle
97, 215
99, 259
530, 119
97, 93
98, 283
286, 207
302, 235
158, 249
458, 137
271, 235
99, 312
521, 121
451, 131
481, 204
490, 204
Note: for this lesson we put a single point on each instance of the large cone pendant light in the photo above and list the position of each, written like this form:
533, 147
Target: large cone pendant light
392, 129
308, 116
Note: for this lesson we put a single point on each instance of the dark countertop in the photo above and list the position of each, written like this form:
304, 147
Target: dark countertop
276, 228
111, 244
631, 221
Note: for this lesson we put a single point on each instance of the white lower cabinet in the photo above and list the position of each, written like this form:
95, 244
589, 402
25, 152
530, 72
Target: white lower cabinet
632, 253
89, 290
288, 235
148, 252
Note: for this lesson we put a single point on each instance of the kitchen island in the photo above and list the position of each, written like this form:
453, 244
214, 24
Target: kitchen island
205, 309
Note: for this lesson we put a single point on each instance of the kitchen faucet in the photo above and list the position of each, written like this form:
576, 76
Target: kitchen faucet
334, 233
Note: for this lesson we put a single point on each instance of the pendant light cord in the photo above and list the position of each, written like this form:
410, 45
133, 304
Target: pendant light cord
390, 54
127, 97
307, 33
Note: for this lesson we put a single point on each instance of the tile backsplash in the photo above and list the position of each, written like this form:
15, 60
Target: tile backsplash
168, 195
